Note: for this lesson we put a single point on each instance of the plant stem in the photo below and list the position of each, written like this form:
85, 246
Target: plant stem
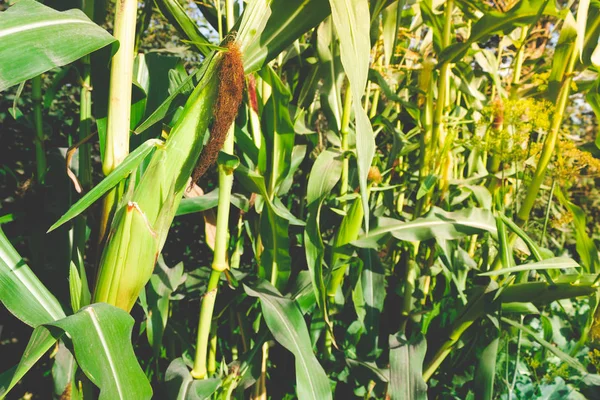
520, 57
220, 262
206, 311
85, 161
549, 143
438, 133
344, 133
40, 150
547, 216
119, 105
212, 350
121, 77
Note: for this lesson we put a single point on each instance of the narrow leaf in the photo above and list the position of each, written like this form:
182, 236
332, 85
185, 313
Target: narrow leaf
117, 175
486, 371
437, 224
21, 291
550, 263
286, 323
351, 21
406, 367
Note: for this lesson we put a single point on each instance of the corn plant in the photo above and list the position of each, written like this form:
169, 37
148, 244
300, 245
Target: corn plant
386, 195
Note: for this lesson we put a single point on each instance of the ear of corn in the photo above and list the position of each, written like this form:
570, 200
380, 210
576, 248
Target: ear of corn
142, 223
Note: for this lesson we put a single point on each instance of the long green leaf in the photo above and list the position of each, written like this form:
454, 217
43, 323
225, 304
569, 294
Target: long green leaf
280, 22
181, 386
318, 188
486, 371
437, 224
525, 12
583, 242
21, 291
178, 17
372, 281
101, 337
572, 362
285, 321
36, 38
117, 175
40, 342
550, 263
406, 367
351, 21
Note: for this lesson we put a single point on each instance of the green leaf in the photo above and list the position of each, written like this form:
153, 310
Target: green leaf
437, 224
351, 21
163, 283
406, 367
562, 55
372, 281
278, 130
537, 252
228, 161
21, 291
572, 362
392, 17
520, 308
78, 289
179, 18
348, 232
331, 74
40, 342
525, 12
63, 373
584, 244
550, 263
318, 188
286, 323
268, 27
255, 182
181, 386
208, 201
36, 38
564, 287
486, 371
593, 99
275, 260
427, 185
117, 175
101, 337
177, 97
434, 20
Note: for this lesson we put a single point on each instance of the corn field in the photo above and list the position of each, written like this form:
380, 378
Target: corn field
312, 199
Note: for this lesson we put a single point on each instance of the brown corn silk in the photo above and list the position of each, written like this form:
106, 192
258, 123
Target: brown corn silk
229, 98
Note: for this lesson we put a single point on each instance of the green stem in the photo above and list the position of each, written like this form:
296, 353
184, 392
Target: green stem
40, 151
85, 161
520, 57
212, 350
547, 216
549, 143
438, 133
344, 133
220, 263
119, 105
206, 311
121, 77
